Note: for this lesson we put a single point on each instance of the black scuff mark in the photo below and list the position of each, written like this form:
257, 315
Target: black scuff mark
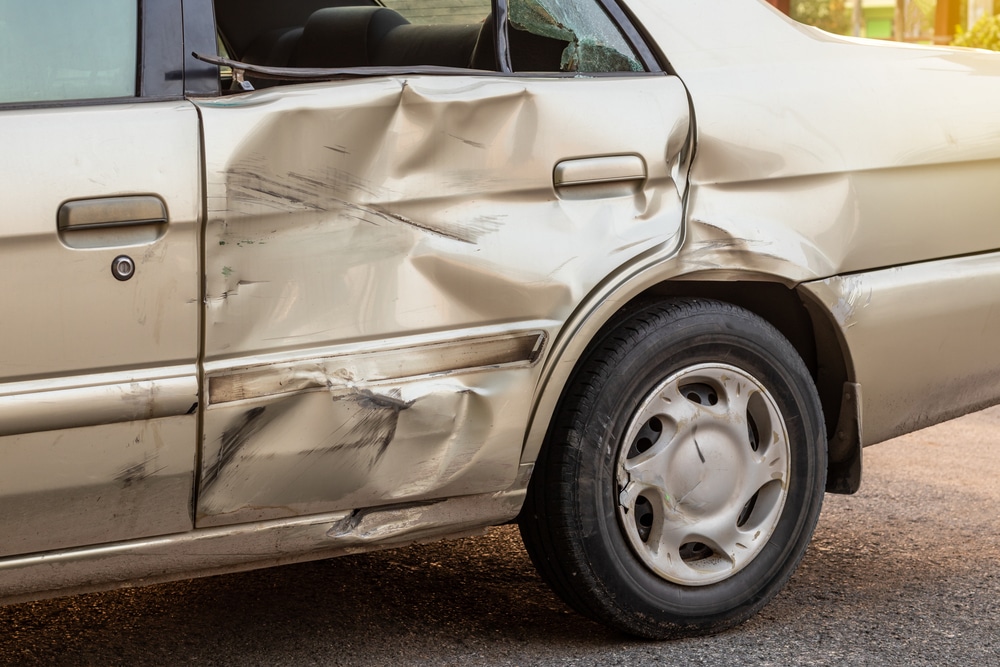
299, 191
362, 218
134, 474
394, 217
192, 409
384, 215
350, 523
236, 290
249, 187
375, 426
233, 440
371, 400
338, 149
470, 142
332, 180
346, 526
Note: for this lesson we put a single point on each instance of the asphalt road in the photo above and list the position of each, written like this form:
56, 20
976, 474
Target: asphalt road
907, 572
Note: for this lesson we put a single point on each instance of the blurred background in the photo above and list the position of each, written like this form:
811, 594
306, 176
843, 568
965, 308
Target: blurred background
961, 22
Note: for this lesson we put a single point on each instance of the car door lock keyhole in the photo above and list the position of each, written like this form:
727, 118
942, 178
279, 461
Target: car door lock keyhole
122, 267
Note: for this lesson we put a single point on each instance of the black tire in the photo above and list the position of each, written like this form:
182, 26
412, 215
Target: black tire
656, 557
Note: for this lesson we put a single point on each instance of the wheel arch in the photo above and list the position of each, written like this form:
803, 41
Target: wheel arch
806, 324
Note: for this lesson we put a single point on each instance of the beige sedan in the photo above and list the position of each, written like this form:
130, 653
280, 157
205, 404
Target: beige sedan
288, 280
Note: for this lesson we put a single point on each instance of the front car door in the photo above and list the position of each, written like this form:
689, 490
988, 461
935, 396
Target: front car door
100, 181
389, 257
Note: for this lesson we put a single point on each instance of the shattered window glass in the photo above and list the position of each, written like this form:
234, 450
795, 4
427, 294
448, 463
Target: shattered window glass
579, 31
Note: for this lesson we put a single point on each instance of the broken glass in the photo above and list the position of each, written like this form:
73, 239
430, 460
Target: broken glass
594, 43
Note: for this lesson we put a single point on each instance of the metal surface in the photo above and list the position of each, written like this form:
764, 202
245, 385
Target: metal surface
923, 339
93, 400
214, 551
98, 382
86, 213
703, 474
600, 170
122, 267
93, 485
340, 223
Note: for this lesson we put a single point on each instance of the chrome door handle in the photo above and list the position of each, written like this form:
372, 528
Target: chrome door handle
111, 211
111, 221
592, 170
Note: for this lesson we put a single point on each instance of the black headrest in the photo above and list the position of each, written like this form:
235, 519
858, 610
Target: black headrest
344, 36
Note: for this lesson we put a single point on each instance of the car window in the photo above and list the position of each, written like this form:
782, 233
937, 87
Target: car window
51, 51
566, 36
360, 33
557, 36
431, 12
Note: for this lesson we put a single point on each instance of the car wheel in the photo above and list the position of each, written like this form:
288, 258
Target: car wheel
683, 474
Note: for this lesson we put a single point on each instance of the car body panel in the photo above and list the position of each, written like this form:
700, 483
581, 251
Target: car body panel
340, 224
225, 549
886, 320
98, 380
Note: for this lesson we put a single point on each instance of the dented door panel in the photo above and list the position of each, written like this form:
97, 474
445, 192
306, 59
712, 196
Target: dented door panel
357, 446
341, 221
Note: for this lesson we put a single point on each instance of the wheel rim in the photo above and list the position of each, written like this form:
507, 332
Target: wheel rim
702, 474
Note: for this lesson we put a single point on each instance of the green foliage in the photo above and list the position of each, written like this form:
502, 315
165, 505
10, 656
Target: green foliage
830, 15
984, 34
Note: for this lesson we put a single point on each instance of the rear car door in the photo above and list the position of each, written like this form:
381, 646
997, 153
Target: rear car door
100, 183
390, 254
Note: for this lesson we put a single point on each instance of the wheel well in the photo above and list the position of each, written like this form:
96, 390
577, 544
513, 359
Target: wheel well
810, 333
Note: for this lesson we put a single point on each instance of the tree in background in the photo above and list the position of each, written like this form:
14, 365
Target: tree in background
984, 34
830, 15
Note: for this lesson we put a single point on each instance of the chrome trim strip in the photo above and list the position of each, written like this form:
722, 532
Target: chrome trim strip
93, 400
455, 356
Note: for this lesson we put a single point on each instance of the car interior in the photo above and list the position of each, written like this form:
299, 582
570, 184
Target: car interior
339, 33
398, 33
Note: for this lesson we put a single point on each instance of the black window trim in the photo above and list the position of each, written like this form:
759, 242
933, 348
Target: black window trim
201, 77
647, 47
637, 38
161, 72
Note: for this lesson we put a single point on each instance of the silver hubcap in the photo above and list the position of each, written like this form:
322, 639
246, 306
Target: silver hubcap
703, 474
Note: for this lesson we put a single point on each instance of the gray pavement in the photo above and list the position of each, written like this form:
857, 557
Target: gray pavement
907, 572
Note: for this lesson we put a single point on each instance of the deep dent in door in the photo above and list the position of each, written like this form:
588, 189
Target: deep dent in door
386, 261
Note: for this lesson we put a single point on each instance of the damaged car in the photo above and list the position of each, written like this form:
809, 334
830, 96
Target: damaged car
291, 280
